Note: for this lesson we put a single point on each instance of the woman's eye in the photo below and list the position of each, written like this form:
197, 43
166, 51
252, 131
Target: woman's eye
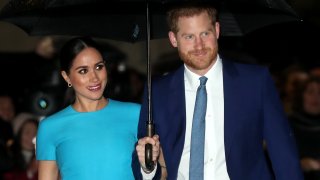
82, 71
100, 66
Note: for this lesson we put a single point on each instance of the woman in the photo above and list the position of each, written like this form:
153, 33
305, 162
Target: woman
305, 121
94, 137
24, 165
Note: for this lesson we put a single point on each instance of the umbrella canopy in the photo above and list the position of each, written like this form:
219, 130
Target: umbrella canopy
241, 17
116, 20
125, 20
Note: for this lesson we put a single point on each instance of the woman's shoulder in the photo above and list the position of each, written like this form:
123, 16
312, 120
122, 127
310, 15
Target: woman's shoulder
63, 113
117, 103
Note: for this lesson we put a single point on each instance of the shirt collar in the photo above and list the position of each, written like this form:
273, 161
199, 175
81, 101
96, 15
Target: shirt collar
193, 79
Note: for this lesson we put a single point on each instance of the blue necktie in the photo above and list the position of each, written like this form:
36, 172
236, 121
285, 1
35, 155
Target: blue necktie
198, 133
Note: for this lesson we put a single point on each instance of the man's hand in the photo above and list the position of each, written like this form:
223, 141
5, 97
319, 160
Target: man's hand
140, 148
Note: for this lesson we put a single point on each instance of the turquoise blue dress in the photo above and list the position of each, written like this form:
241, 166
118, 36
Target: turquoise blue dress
91, 145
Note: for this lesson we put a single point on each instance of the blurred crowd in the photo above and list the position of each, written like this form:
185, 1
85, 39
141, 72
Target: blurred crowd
17, 151
304, 118
299, 90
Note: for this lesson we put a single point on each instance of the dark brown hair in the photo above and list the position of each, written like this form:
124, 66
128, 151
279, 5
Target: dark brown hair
72, 48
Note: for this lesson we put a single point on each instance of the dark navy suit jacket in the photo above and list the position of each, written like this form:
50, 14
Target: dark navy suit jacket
252, 113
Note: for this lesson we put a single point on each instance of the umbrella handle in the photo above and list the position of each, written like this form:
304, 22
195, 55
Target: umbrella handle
148, 149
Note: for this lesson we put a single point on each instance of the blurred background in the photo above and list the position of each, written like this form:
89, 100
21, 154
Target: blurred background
32, 88
29, 68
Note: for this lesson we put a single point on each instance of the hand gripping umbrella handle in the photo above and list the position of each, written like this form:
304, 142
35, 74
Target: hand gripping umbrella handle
148, 149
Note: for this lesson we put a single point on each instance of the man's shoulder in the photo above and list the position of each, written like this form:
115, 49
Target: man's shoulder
244, 67
170, 75
242, 64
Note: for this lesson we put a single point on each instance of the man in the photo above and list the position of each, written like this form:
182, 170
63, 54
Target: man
243, 110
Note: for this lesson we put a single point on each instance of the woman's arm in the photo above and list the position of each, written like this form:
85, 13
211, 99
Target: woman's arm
48, 170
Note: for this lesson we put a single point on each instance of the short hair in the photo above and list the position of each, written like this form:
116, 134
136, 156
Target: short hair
188, 10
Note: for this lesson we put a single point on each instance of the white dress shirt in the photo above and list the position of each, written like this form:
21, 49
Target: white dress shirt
214, 162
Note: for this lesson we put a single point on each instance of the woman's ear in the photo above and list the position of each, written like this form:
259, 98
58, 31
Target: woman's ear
65, 76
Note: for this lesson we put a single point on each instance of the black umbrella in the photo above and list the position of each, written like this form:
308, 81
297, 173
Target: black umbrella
116, 20
240, 17
134, 20
125, 19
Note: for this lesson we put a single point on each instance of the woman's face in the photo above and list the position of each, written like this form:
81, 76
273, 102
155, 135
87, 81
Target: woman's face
88, 75
311, 98
7, 111
28, 132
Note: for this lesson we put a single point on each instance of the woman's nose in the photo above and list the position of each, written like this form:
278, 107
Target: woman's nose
94, 76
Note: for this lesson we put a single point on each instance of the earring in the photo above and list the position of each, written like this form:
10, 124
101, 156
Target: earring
69, 85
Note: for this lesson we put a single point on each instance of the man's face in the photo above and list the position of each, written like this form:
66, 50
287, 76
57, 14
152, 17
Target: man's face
197, 42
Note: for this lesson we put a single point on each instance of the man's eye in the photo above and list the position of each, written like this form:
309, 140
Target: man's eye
205, 34
188, 37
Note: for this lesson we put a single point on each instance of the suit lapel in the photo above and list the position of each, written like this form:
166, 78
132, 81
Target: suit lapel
175, 107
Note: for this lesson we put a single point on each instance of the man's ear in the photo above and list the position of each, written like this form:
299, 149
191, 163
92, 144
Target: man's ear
173, 39
217, 27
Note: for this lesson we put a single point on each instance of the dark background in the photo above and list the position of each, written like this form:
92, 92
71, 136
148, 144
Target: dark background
30, 78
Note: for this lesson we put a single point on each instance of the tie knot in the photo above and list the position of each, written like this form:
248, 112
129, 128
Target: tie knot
203, 80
